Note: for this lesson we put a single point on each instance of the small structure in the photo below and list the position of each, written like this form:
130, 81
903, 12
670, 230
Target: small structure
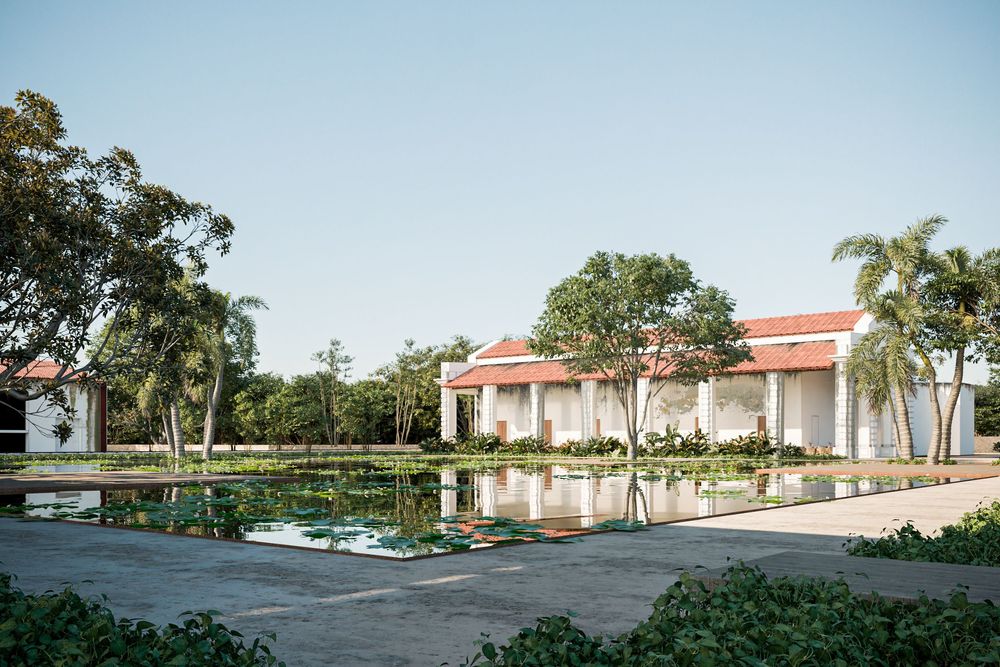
29, 427
796, 389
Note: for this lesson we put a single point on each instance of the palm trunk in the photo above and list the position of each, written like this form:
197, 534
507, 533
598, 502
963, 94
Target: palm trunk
934, 446
168, 431
901, 417
213, 403
948, 416
178, 429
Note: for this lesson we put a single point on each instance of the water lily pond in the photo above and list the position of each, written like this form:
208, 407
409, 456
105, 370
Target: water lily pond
408, 509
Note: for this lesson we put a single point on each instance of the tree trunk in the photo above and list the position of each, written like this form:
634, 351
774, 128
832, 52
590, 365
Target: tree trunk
901, 416
213, 403
178, 429
948, 416
631, 416
934, 446
168, 431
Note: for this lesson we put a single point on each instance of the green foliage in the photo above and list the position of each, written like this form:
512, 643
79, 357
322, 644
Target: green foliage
595, 446
988, 408
627, 317
62, 628
974, 540
86, 241
751, 620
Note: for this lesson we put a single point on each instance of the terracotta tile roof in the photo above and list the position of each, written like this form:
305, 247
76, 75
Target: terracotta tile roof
787, 325
506, 348
790, 325
40, 370
813, 356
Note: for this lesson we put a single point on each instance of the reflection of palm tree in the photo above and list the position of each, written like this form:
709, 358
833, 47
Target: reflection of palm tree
633, 494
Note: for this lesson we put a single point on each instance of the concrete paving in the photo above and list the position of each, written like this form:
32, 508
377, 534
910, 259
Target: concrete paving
338, 609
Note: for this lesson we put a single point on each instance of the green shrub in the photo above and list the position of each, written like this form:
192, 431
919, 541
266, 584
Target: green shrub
753, 444
974, 540
62, 628
596, 446
525, 445
750, 620
480, 443
438, 446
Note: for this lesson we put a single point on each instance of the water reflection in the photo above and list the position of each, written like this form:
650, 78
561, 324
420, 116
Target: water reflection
367, 509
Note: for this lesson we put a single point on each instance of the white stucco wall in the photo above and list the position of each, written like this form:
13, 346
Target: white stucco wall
562, 407
43, 418
673, 405
962, 436
513, 406
739, 400
609, 410
817, 406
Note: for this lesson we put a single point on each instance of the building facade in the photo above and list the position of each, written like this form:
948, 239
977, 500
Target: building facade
796, 389
29, 427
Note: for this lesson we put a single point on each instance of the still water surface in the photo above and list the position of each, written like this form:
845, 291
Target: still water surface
399, 513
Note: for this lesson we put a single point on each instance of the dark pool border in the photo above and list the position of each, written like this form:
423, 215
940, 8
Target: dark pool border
480, 549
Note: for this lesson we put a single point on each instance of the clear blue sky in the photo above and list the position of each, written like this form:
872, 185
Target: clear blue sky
426, 169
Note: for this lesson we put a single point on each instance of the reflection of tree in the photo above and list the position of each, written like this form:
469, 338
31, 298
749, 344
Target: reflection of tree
633, 496
747, 394
677, 399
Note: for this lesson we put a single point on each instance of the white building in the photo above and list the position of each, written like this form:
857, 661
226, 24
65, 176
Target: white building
795, 389
29, 427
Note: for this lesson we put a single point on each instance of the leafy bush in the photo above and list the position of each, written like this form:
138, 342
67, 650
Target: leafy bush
596, 446
438, 446
62, 628
974, 540
480, 443
750, 620
753, 444
525, 445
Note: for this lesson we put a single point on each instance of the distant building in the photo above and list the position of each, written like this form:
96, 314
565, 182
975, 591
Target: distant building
796, 389
29, 428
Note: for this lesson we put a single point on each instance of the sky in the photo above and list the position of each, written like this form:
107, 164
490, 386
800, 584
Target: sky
421, 170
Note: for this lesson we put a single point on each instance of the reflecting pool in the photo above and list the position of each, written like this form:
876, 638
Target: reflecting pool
409, 510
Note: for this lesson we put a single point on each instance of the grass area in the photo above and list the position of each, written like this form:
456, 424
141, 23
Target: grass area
974, 540
63, 628
751, 620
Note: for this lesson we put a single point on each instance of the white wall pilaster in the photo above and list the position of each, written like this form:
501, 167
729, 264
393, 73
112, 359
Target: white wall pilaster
845, 430
536, 409
706, 408
775, 406
449, 413
488, 409
588, 390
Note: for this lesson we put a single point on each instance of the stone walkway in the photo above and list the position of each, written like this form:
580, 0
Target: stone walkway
337, 609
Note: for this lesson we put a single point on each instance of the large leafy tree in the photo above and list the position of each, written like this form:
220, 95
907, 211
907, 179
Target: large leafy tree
86, 241
334, 370
629, 317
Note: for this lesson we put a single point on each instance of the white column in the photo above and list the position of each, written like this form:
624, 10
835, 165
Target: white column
706, 408
536, 409
641, 395
874, 436
774, 398
706, 505
449, 413
449, 498
536, 496
488, 409
588, 391
845, 432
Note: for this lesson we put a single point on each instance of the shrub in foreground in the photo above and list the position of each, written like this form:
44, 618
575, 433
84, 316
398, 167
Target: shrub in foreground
750, 620
974, 540
62, 628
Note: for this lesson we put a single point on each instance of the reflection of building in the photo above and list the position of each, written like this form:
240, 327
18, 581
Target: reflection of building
796, 388
29, 427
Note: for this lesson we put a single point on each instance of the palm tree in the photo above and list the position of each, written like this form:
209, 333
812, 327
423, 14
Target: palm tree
908, 259
881, 365
232, 334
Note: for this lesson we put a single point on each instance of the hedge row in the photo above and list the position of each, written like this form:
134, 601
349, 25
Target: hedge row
974, 540
751, 620
62, 628
654, 445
